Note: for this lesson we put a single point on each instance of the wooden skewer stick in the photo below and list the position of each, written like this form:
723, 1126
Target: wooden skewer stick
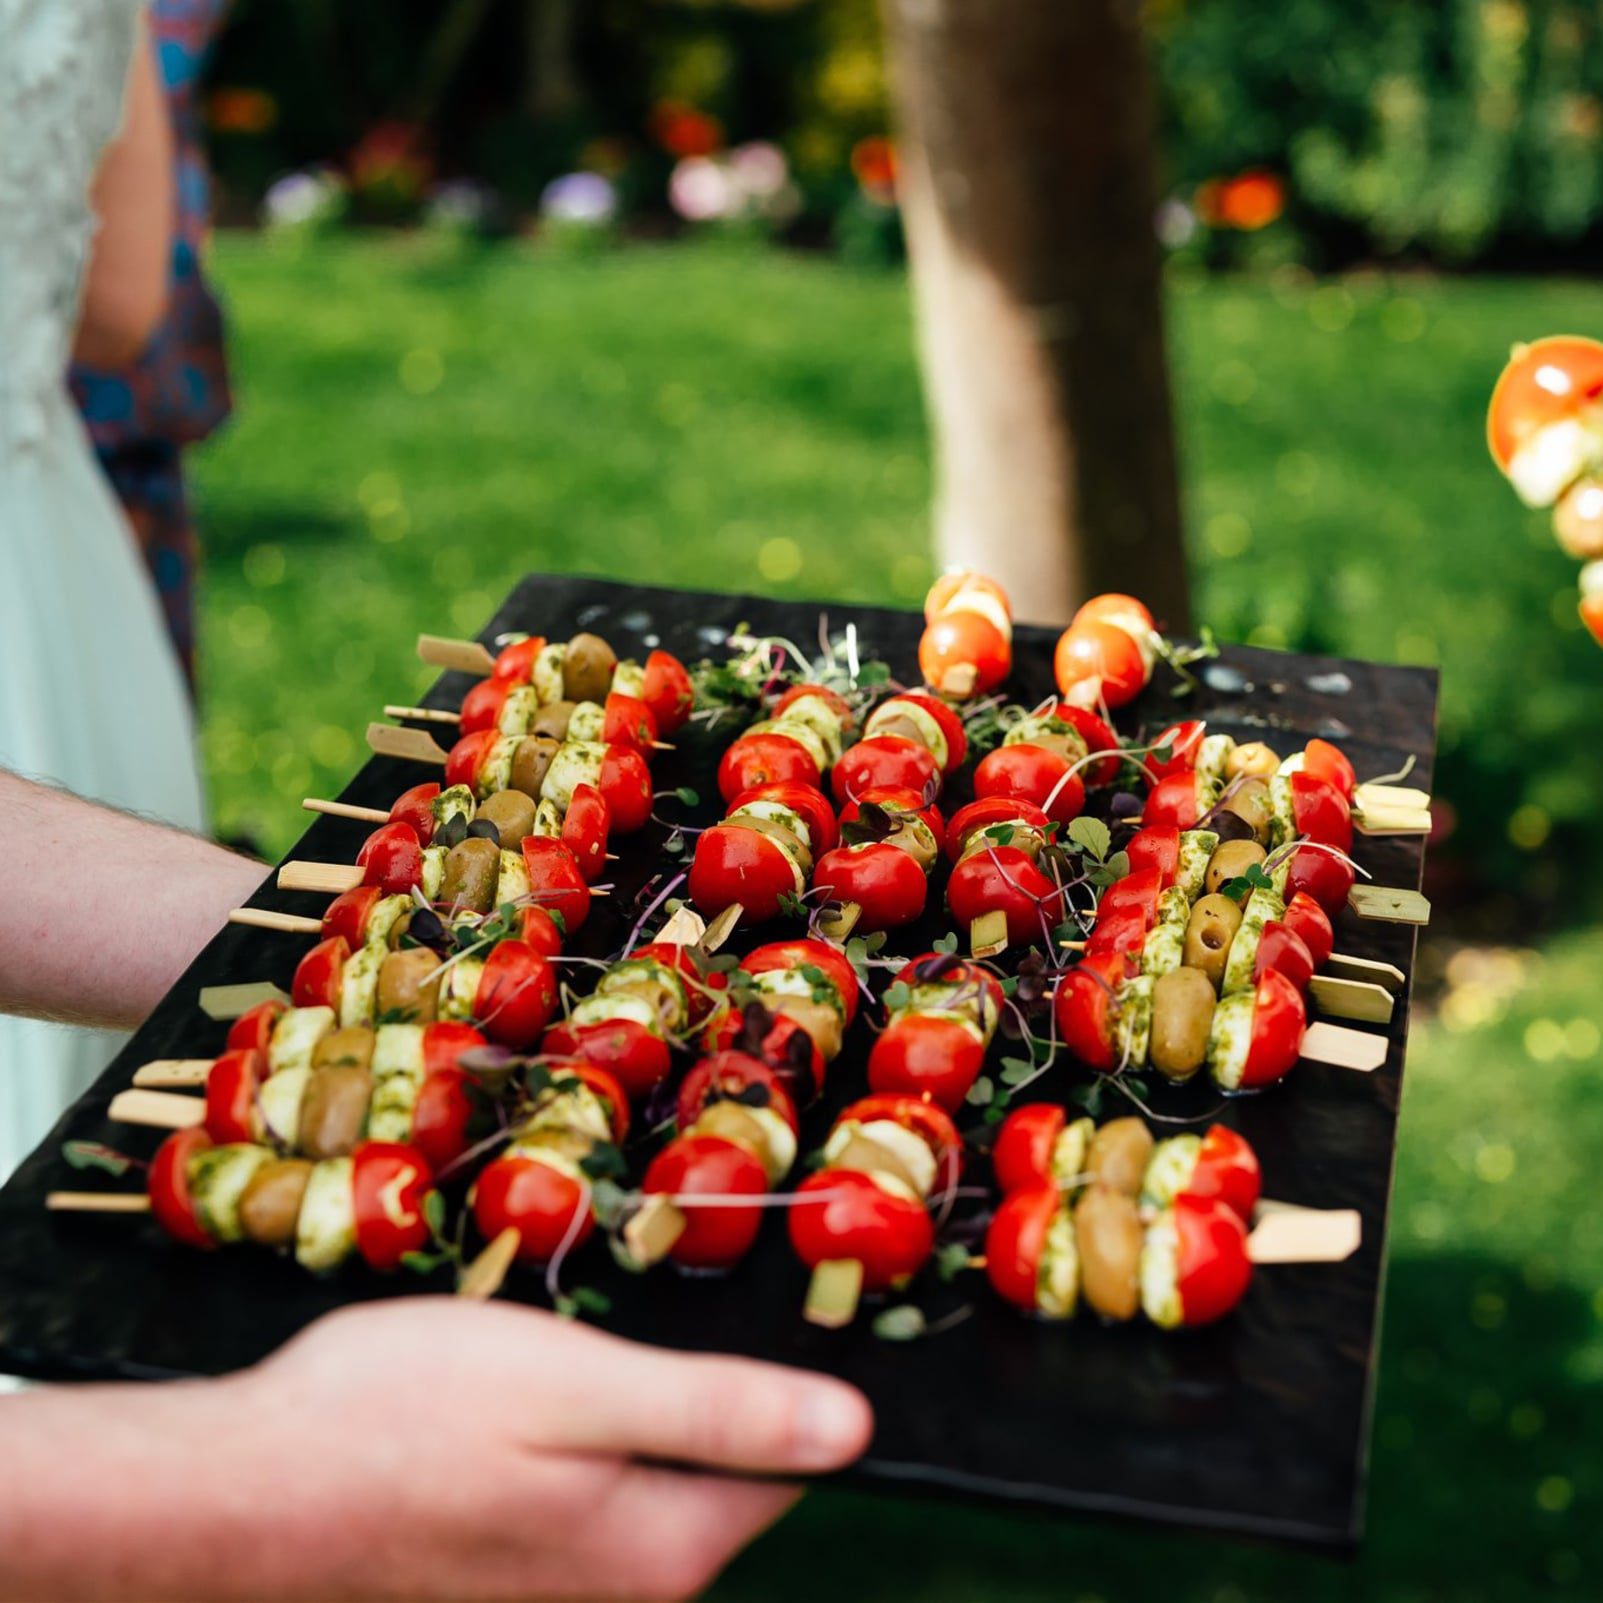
467, 656
1305, 1235
169, 1074
958, 681
339, 809
1344, 1049
653, 1229
158, 1110
1388, 905
1373, 795
722, 927
838, 926
230, 1001
415, 745
330, 878
1360, 1000
1366, 968
685, 928
264, 918
484, 1276
833, 1293
427, 715
97, 1202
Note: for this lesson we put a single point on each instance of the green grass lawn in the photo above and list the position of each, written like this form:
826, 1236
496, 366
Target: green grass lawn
419, 424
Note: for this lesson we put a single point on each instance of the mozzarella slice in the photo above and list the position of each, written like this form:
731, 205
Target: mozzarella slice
1069, 1150
777, 814
577, 762
397, 1051
605, 1007
1169, 1170
518, 711
912, 1152
359, 985
822, 719
802, 733
217, 1179
294, 1035
454, 800
496, 771
629, 679
588, 722
387, 912
1132, 1028
459, 992
512, 879
325, 1233
279, 1102
1196, 851
431, 874
927, 724
1230, 1039
546, 673
1213, 756
1057, 1276
389, 1114
1160, 1274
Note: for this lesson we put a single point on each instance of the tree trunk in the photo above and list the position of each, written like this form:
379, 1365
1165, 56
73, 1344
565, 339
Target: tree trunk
1028, 186
550, 89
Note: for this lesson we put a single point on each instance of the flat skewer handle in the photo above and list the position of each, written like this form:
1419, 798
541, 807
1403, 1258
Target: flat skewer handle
339, 809
158, 1110
468, 656
169, 1074
1362, 1001
332, 878
415, 745
231, 1001
1344, 1049
1306, 1235
1389, 906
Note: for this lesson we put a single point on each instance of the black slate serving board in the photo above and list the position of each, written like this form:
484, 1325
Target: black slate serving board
1257, 1426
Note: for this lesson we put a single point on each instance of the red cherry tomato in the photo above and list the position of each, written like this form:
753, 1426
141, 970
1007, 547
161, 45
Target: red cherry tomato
1034, 774
416, 807
608, 1090
1306, 919
1282, 949
1001, 879
950, 587
807, 802
516, 997
1320, 812
1098, 736
983, 814
966, 644
1175, 801
1321, 875
884, 760
556, 882
1101, 655
444, 1042
625, 784
515, 662
585, 826
626, 1049
923, 1055
1182, 739
1119, 929
1015, 1240
836, 702
231, 1088
716, 1237
1084, 1007
390, 1184
466, 758
255, 1028
703, 992
800, 1069
1212, 1266
1278, 1021
1141, 889
540, 931
951, 726
897, 799
735, 864
392, 859
1227, 1170
168, 1187
442, 1117
483, 705
840, 1213
726, 1074
765, 759
545, 1205
1549, 381
628, 721
779, 956
883, 880
1321, 760
348, 914
1022, 1155
317, 975
1116, 606
932, 1124
667, 691
1156, 848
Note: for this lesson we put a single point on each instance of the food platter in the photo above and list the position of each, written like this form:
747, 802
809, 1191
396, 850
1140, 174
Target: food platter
1257, 1425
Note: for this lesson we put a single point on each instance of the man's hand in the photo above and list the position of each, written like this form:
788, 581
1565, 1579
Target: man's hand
421, 1449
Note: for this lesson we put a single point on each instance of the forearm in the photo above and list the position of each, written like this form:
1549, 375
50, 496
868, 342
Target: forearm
104, 910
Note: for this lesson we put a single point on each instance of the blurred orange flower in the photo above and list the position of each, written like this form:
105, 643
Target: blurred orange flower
683, 131
874, 166
1249, 201
241, 111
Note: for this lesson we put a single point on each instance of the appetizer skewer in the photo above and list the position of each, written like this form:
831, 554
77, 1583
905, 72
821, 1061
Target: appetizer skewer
967, 646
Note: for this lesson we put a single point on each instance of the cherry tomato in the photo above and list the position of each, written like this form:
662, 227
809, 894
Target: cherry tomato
1321, 760
1545, 385
1102, 658
1306, 918
735, 864
970, 648
348, 913
667, 691
1182, 739
1015, 1240
765, 759
1034, 774
625, 784
929, 967
392, 859
515, 662
540, 931
1084, 1008
516, 997
1320, 812
807, 802
442, 1117
444, 1042
547, 1206
840, 1213
1121, 929
726, 1074
390, 1184
585, 826
961, 585
416, 807
168, 1187
1098, 736
1022, 1155
951, 726
924, 1119
635, 1056
483, 705
1590, 605
1001, 879
800, 1069
1212, 1266
231, 1087
897, 799
607, 1090
1323, 876
556, 883
627, 721
888, 887
1176, 800
1112, 606
1156, 848
255, 1027
779, 956
1278, 1021
885, 760
317, 975
984, 813
927, 1056
1141, 889
703, 992
832, 699
1281, 949
1226, 1170
716, 1237
466, 758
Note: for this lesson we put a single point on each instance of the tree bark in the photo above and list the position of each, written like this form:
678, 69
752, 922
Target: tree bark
1028, 186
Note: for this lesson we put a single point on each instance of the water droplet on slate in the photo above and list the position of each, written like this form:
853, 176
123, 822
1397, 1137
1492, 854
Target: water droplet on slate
1329, 684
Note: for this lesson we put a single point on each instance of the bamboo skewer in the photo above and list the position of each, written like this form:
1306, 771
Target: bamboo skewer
230, 1001
466, 656
339, 809
97, 1202
157, 1110
414, 745
1389, 906
263, 918
171, 1074
1305, 1235
329, 878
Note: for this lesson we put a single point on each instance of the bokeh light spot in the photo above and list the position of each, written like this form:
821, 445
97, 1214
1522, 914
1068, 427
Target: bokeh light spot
1528, 826
331, 746
250, 627
264, 565
1495, 1162
1525, 1420
1228, 534
1330, 308
377, 487
422, 371
1554, 1493
779, 559
1402, 319
1234, 383
1582, 1039
1544, 1040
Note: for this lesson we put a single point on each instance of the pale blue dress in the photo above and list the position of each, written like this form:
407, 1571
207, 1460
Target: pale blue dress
90, 692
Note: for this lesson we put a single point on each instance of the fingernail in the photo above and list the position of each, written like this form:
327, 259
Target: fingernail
831, 1427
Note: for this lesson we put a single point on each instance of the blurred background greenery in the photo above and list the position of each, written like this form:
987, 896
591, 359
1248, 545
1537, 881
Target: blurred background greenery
645, 315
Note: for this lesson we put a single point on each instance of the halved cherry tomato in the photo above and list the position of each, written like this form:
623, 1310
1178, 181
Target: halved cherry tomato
1022, 1155
735, 864
1015, 1240
556, 882
966, 643
1084, 1006
348, 913
1098, 736
1178, 800
1121, 929
466, 758
1324, 876
1306, 918
840, 1213
765, 759
255, 1028
546, 1205
416, 807
897, 799
930, 967
1114, 607
925, 1055
625, 783
725, 1074
1320, 812
1034, 774
390, 1184
779, 956
1182, 741
168, 1187
1227, 1170
990, 810
953, 589
516, 997
1156, 847
515, 662
540, 931
716, 1237
1002, 879
442, 1117
445, 1041
1140, 889
1321, 760
231, 1087
806, 801
951, 726
628, 721
1282, 949
887, 885
884, 760
392, 859
1213, 1269
635, 1056
800, 1068
1544, 385
1101, 660
585, 826
317, 975
1278, 1021
666, 689
924, 1119
483, 705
